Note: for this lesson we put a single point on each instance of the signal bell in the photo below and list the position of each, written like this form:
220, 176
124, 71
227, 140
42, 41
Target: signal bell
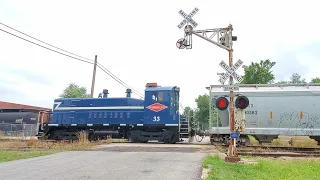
222, 103
242, 102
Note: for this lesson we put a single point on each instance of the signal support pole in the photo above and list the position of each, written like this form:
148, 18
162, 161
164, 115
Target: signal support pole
232, 152
94, 76
224, 40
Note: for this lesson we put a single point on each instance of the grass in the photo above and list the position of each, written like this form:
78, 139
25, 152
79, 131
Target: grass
21, 149
6, 156
263, 169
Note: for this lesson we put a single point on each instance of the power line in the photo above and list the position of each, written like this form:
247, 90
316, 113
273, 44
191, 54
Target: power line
98, 64
118, 79
45, 42
46, 47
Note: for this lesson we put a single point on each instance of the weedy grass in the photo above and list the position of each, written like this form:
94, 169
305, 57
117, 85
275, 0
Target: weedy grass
263, 169
298, 142
21, 149
295, 141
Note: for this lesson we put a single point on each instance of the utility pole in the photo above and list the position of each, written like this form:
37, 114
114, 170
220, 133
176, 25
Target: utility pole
94, 75
225, 41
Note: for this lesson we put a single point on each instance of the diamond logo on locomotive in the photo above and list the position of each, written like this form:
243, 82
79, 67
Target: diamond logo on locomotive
156, 107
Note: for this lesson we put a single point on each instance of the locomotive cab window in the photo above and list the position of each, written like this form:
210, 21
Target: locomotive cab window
157, 96
177, 100
173, 102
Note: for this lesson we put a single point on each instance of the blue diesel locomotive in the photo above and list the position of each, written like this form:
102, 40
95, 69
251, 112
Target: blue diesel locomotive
156, 117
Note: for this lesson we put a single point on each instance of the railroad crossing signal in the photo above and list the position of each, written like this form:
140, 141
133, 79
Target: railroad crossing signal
188, 18
225, 41
230, 71
222, 103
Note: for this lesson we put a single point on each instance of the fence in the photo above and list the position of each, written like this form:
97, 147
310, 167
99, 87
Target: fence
18, 130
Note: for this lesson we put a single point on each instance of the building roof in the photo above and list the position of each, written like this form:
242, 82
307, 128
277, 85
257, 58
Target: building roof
9, 105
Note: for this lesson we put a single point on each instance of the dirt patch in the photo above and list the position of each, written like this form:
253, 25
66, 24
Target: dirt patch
285, 158
147, 149
248, 161
205, 173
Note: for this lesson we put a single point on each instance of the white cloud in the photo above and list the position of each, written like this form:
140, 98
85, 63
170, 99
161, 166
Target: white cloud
136, 41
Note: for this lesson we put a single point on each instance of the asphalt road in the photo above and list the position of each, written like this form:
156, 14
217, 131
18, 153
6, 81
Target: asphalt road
109, 164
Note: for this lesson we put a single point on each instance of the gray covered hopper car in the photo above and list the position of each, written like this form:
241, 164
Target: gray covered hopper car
274, 110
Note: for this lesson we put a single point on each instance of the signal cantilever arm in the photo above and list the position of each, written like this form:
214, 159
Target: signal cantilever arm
202, 34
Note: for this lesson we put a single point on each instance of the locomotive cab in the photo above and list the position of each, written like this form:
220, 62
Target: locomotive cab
161, 105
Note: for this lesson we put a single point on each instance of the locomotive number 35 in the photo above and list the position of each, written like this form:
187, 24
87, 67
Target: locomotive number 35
156, 118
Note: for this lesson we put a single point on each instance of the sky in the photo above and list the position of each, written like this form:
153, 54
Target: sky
136, 41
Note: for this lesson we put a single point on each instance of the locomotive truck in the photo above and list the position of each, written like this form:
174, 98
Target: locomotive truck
272, 110
156, 117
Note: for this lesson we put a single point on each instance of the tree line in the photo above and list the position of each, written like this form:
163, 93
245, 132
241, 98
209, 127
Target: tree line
256, 73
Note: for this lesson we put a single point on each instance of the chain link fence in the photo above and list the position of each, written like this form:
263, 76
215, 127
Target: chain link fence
18, 130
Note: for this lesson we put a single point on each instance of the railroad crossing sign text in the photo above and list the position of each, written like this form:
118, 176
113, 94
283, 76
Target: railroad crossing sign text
188, 18
230, 71
231, 88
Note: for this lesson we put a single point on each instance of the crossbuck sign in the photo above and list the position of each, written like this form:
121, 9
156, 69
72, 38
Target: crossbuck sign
187, 18
230, 71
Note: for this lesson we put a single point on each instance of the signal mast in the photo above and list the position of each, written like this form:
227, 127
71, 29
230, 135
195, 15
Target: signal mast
224, 40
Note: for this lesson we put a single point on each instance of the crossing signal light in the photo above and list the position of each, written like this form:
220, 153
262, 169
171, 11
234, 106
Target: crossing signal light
242, 102
222, 103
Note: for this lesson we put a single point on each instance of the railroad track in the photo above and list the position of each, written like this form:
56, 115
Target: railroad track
279, 154
275, 151
252, 150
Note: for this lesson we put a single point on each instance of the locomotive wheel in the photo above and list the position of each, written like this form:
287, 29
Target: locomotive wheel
91, 137
171, 138
56, 135
133, 136
129, 137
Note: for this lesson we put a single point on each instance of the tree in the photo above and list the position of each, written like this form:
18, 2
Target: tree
202, 111
259, 73
315, 80
74, 91
282, 82
296, 78
188, 112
